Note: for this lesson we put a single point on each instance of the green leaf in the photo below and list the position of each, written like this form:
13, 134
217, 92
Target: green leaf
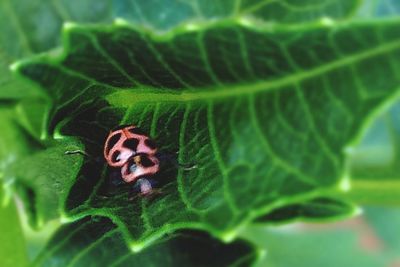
97, 242
34, 26
318, 210
12, 243
264, 111
39, 173
43, 179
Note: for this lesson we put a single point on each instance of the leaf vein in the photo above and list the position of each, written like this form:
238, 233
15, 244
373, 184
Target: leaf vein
310, 119
280, 161
217, 154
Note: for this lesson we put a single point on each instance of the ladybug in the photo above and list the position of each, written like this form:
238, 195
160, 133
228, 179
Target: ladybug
124, 143
130, 149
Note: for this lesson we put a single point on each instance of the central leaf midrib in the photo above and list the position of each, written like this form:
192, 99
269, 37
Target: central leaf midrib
126, 98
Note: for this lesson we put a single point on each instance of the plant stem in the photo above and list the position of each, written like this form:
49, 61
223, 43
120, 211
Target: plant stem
382, 192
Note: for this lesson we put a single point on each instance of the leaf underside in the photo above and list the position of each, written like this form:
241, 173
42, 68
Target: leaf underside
318, 210
265, 112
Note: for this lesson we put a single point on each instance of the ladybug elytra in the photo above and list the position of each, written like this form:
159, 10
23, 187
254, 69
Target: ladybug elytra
124, 142
131, 149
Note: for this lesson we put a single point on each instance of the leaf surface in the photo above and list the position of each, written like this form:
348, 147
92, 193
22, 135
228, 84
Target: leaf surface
264, 112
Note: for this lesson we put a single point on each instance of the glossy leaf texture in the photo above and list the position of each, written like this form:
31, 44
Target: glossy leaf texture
265, 112
97, 242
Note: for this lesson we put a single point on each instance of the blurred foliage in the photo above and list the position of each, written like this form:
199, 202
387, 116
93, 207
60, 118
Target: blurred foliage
368, 241
377, 158
12, 241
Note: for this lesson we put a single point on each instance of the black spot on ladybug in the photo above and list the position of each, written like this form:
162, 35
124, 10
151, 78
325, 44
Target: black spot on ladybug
115, 156
131, 144
120, 127
150, 143
112, 141
146, 162
137, 130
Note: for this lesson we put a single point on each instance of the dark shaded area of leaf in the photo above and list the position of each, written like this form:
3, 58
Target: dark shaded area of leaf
319, 209
97, 242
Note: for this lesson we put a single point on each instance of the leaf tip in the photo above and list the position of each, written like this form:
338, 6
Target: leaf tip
136, 247
229, 236
65, 219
